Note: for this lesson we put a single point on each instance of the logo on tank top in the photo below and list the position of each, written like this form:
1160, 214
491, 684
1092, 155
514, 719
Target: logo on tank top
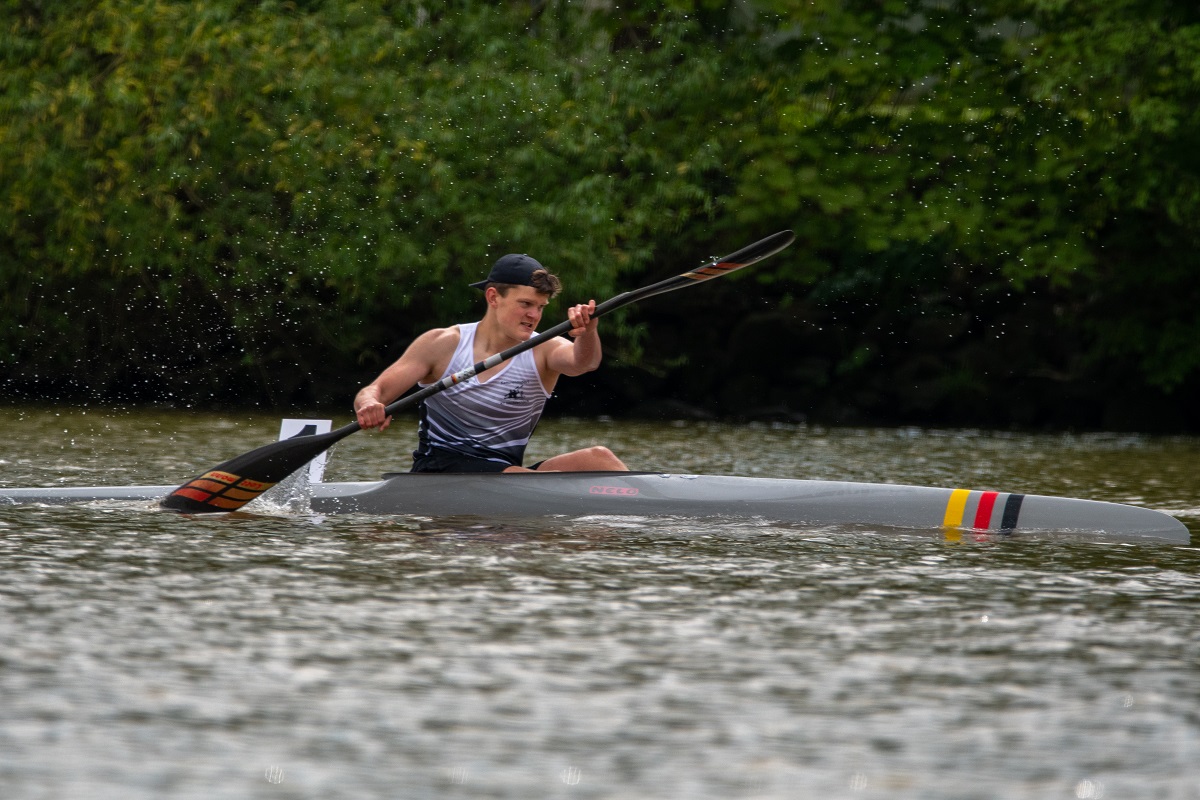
514, 390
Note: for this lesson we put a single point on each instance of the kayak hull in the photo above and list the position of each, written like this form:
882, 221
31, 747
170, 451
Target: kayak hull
808, 502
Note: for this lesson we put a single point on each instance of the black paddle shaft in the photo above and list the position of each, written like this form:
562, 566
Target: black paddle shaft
233, 483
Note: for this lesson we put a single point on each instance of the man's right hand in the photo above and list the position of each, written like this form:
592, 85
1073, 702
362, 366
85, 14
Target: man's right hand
371, 415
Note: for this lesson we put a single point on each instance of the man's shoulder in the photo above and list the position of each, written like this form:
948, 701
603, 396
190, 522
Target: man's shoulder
437, 341
450, 333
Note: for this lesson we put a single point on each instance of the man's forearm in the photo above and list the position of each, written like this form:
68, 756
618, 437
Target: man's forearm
587, 352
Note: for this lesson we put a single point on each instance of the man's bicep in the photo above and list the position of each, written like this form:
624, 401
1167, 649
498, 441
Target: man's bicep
560, 356
419, 363
400, 377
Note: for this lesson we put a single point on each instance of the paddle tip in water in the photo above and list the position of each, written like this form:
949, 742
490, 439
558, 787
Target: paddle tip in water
215, 490
233, 484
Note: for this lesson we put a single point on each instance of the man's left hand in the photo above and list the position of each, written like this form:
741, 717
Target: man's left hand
581, 318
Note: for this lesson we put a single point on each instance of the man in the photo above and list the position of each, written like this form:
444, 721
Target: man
483, 424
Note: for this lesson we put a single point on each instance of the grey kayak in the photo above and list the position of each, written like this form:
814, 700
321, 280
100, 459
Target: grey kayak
808, 502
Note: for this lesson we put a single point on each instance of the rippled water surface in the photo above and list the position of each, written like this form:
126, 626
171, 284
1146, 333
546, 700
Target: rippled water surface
147, 655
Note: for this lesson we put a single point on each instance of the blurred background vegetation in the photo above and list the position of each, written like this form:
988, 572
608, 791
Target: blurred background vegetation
997, 202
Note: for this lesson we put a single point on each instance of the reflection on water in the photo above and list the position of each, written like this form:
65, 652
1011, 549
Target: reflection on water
147, 655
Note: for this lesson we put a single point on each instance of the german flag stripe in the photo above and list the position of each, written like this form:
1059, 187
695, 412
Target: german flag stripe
1012, 511
983, 514
955, 509
984, 504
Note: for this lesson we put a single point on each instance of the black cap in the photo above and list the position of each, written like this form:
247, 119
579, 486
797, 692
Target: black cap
513, 268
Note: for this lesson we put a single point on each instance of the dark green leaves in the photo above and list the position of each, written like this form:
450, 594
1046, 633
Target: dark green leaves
266, 200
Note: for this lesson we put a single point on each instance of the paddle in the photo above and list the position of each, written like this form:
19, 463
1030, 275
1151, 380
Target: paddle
232, 484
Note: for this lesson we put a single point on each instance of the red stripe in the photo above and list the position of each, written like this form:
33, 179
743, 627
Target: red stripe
983, 514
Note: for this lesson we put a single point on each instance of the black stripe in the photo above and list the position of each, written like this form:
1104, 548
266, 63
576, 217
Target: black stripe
1012, 510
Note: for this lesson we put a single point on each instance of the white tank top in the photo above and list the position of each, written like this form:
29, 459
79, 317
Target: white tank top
492, 419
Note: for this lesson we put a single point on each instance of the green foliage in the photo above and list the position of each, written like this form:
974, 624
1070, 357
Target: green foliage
261, 202
1028, 143
1127, 75
248, 182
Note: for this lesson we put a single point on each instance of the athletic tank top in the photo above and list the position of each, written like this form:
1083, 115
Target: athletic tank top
492, 419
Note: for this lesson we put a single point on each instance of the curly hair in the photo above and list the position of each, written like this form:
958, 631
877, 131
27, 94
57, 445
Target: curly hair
541, 280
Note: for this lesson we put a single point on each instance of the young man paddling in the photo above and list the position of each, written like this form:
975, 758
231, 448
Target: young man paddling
484, 423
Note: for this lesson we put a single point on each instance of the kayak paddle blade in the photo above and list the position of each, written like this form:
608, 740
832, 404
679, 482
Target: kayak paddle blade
234, 483
742, 258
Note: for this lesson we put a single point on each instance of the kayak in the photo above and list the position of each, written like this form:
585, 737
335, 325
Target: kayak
645, 494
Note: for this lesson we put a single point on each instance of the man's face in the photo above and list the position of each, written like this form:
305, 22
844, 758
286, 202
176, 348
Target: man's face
519, 311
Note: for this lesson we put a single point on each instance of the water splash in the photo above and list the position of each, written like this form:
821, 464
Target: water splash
291, 496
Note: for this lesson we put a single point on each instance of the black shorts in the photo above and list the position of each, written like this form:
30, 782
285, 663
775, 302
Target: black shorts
450, 461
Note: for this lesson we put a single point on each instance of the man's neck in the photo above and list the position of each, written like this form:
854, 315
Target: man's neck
489, 336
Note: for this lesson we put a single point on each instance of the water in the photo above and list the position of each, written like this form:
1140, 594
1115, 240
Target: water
146, 655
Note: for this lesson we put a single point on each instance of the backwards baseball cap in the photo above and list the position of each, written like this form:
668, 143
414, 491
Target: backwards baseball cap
514, 268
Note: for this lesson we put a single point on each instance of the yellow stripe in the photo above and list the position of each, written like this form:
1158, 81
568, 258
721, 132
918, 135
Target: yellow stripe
955, 508
238, 494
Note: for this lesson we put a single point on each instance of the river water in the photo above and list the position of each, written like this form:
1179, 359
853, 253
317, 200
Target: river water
282, 655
